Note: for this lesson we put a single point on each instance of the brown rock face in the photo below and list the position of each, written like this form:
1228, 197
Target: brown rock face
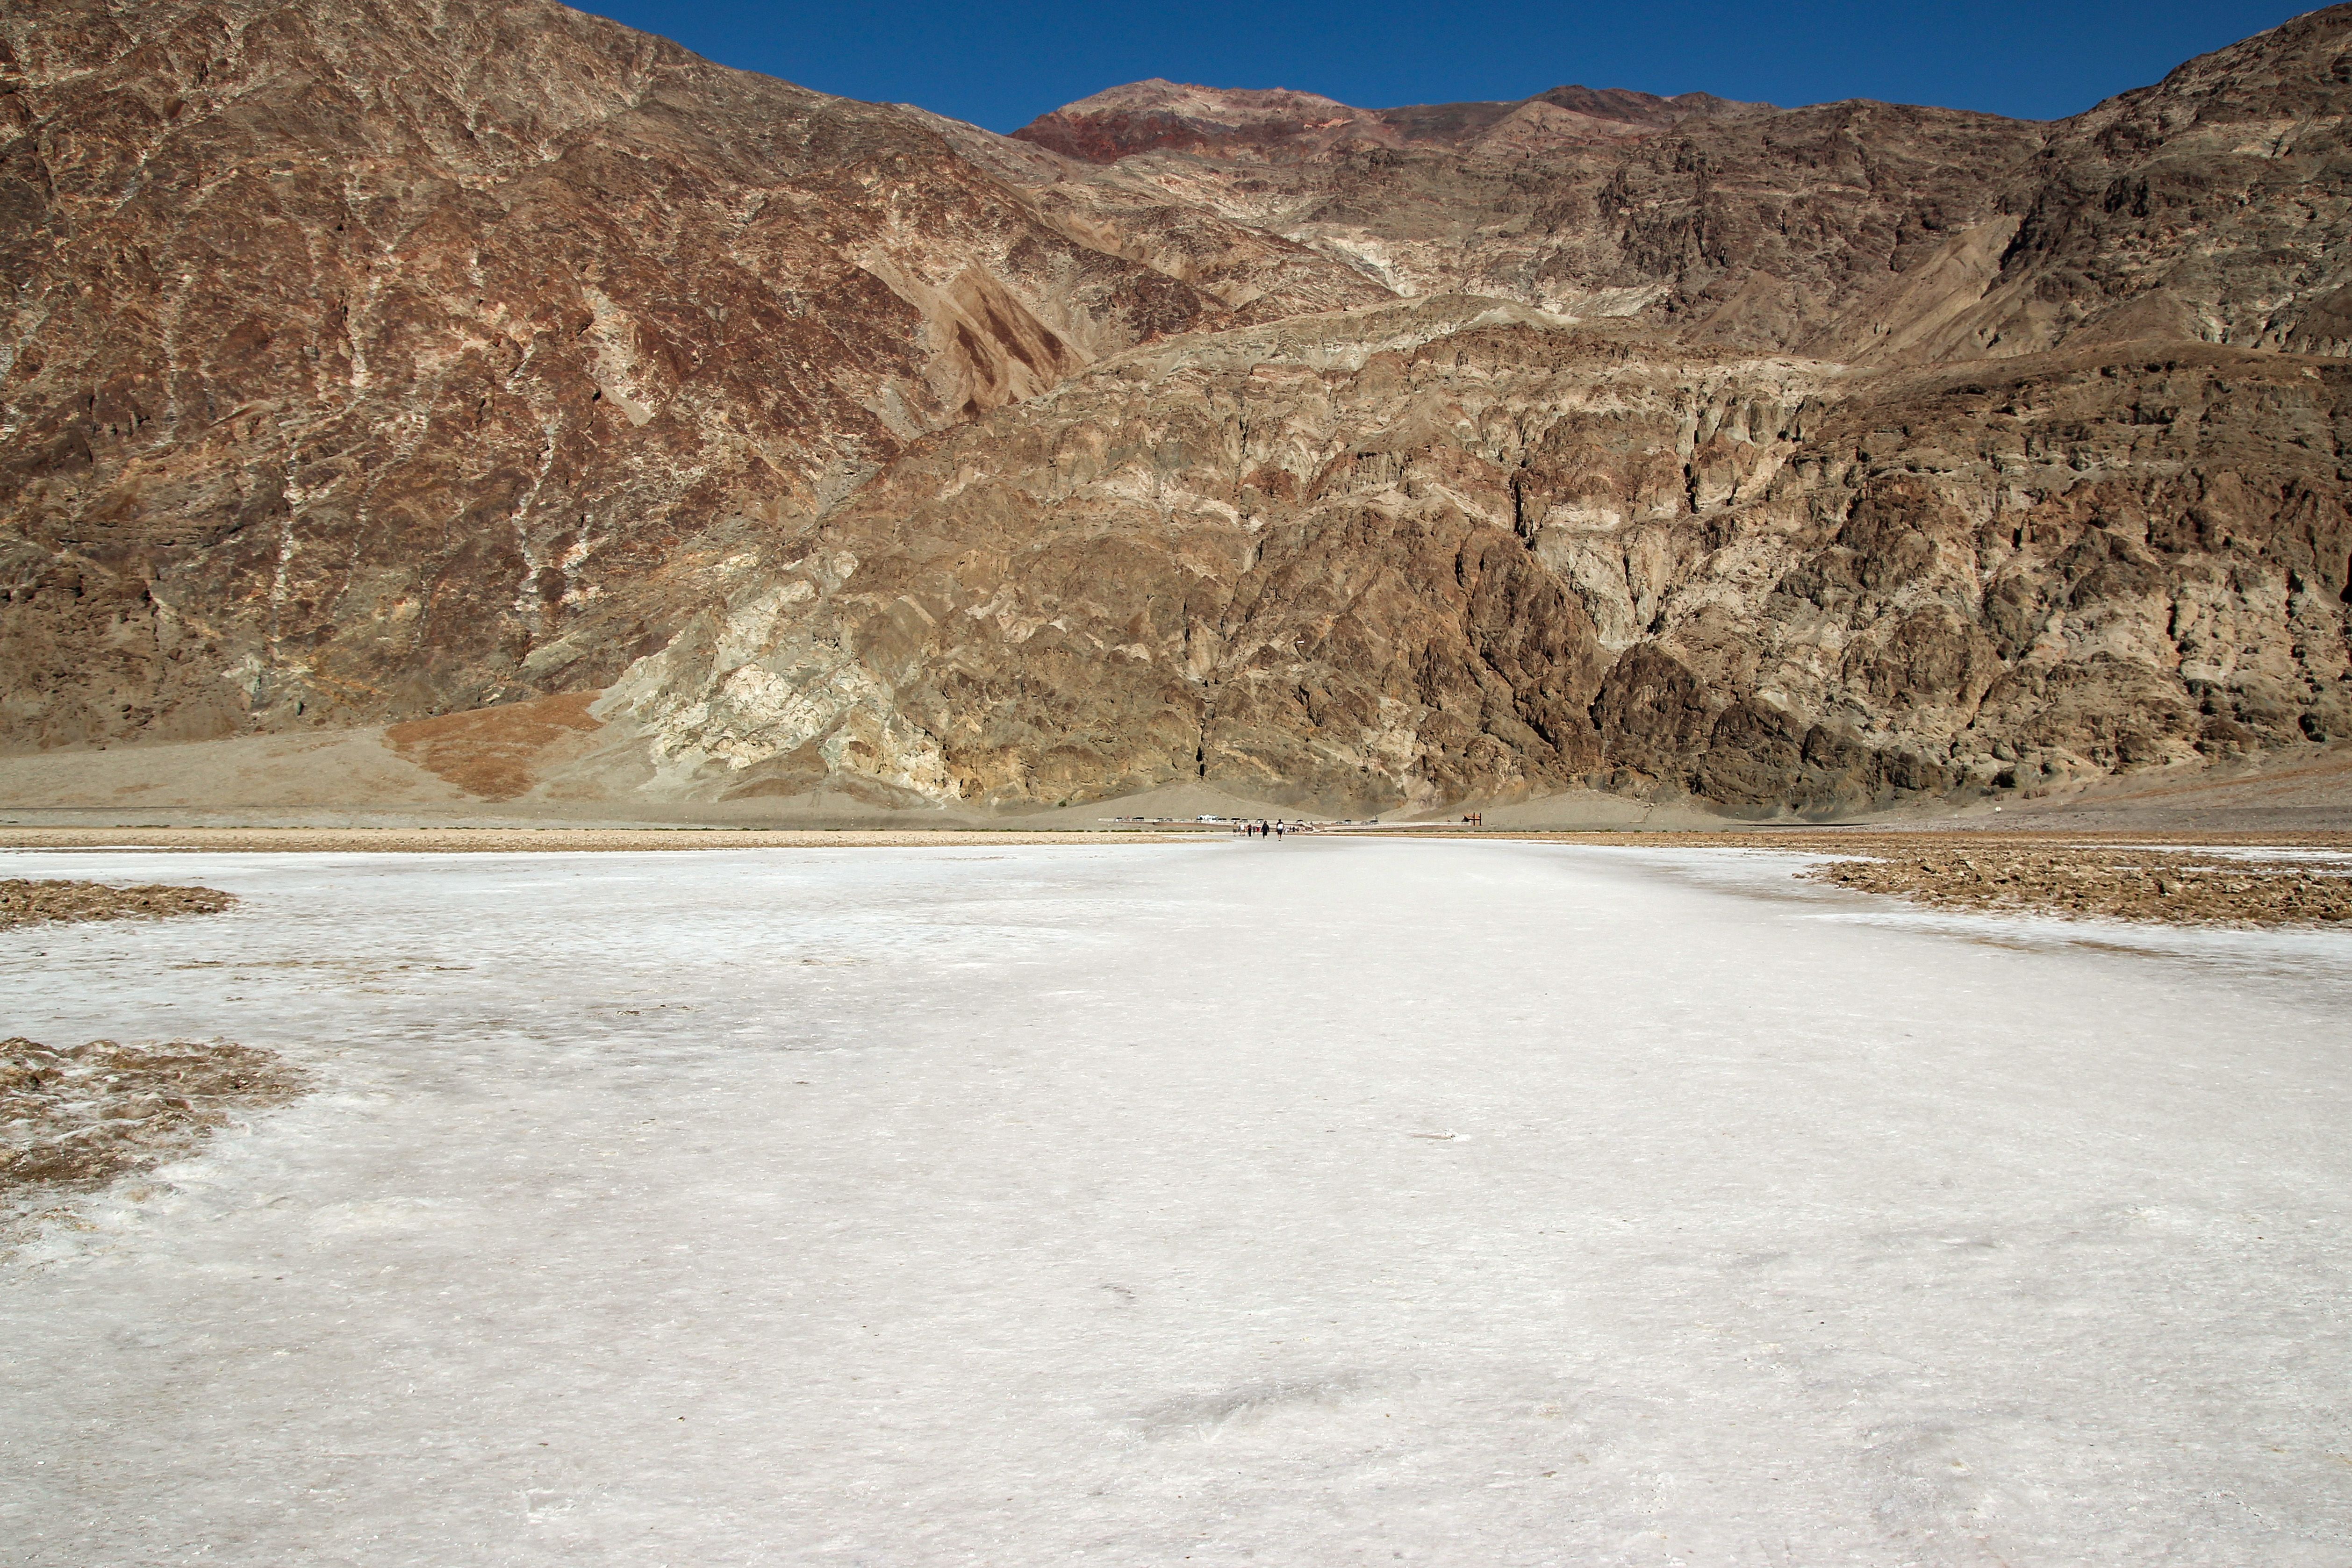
374, 358
2209, 206
1458, 548
1284, 126
1793, 460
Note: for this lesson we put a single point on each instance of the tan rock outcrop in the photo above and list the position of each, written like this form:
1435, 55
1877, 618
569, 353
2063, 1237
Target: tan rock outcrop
1461, 548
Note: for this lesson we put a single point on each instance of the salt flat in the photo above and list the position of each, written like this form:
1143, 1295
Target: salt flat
1303, 1203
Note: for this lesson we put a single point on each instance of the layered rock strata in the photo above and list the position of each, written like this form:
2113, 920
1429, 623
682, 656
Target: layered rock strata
1462, 549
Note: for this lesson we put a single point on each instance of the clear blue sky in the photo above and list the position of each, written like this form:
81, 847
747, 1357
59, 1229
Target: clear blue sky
1001, 66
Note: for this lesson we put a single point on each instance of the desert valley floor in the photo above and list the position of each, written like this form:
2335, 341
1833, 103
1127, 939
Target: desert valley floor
1316, 1202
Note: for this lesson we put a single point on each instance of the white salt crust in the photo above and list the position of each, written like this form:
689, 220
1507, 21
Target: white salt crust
1309, 1203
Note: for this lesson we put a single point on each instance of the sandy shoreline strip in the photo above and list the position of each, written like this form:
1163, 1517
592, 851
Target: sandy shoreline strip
513, 841
1809, 839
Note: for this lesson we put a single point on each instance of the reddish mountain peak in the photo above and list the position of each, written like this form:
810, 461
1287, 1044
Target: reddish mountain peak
1226, 105
1149, 116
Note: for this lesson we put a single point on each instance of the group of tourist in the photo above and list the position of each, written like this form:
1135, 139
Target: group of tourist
1273, 829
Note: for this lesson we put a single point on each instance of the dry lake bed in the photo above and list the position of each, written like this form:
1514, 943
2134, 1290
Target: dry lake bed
1316, 1202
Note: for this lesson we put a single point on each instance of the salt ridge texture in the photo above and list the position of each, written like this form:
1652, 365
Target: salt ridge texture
1313, 1202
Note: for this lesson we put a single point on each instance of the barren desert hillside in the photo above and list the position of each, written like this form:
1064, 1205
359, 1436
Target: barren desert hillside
374, 362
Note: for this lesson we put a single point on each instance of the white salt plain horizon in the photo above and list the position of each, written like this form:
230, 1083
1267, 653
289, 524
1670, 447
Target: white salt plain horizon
1316, 1202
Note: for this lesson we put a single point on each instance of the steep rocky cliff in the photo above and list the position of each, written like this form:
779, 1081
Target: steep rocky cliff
371, 359
1460, 548
372, 363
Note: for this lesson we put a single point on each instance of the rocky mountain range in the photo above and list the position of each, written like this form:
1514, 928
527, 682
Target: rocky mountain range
378, 360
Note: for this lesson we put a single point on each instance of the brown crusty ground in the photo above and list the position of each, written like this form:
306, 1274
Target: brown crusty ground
2171, 878
494, 753
24, 902
73, 1119
2174, 886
